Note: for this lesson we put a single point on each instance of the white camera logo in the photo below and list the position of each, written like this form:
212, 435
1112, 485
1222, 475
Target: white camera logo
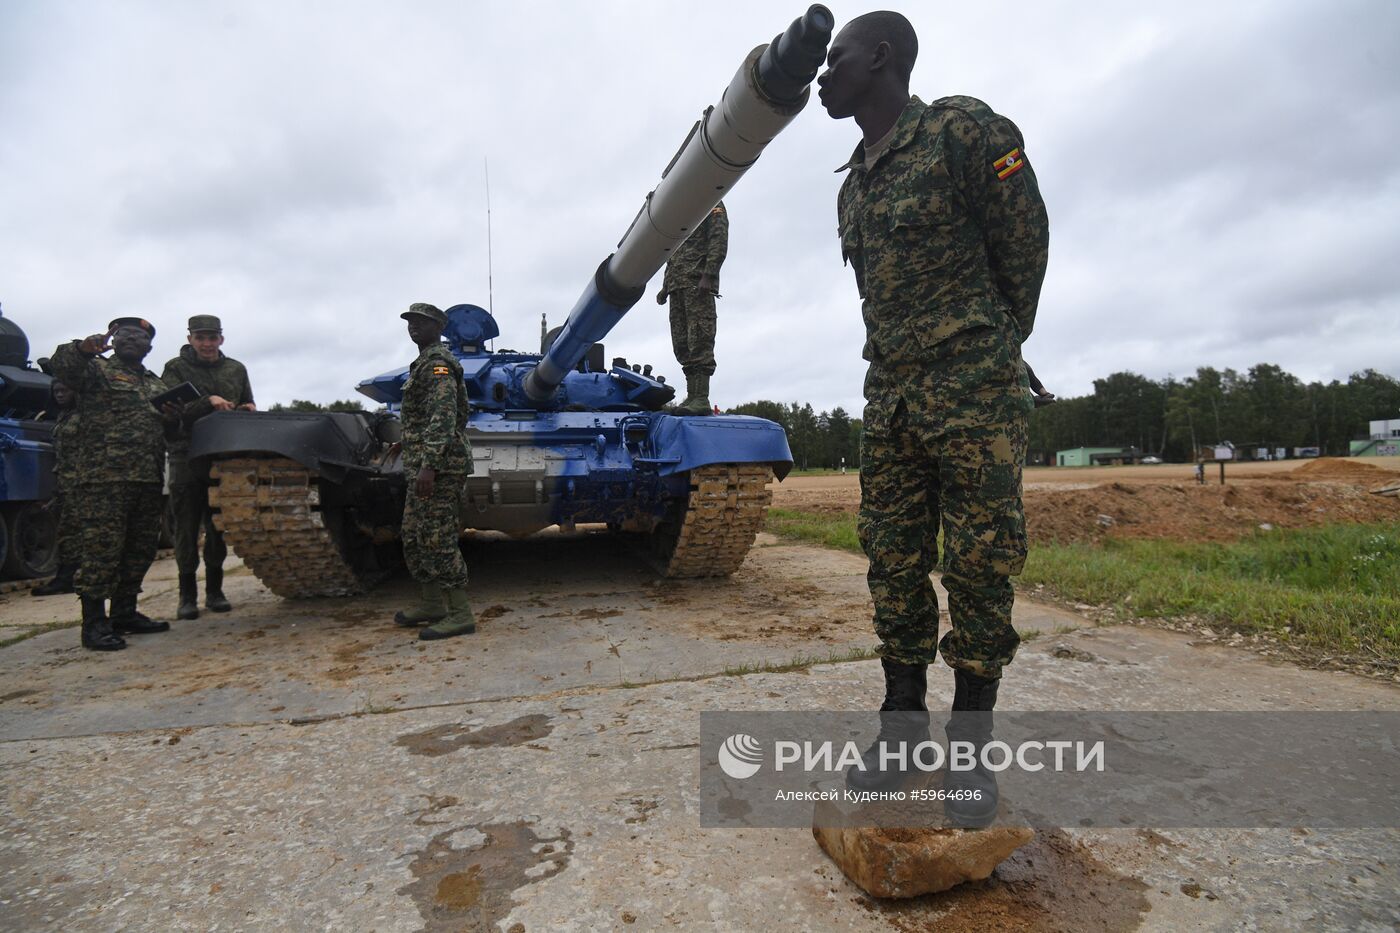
740, 756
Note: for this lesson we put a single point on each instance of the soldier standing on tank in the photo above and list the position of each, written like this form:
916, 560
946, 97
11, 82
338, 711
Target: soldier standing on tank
437, 459
942, 222
120, 468
223, 384
692, 283
65, 461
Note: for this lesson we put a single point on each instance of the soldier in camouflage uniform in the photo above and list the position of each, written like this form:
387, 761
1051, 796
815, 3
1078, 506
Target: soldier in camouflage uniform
692, 283
942, 221
65, 454
437, 459
120, 468
225, 387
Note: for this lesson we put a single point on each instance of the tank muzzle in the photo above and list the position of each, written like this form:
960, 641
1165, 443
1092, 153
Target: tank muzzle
792, 60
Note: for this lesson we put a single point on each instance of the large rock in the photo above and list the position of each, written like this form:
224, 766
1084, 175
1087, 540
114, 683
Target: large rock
889, 861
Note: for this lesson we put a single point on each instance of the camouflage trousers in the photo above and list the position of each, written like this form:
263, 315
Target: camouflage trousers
693, 330
963, 474
66, 517
430, 531
120, 525
189, 503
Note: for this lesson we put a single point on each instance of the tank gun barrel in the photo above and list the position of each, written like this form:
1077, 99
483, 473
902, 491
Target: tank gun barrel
767, 92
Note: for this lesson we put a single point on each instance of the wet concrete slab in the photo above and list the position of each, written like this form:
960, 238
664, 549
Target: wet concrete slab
306, 765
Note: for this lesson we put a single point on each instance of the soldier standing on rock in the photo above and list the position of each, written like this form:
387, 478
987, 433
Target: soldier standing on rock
224, 385
437, 459
943, 224
65, 462
121, 465
692, 283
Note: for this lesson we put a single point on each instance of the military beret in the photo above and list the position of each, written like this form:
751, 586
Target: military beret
205, 322
140, 322
423, 309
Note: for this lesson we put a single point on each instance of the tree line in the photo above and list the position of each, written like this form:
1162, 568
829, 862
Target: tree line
1172, 418
819, 440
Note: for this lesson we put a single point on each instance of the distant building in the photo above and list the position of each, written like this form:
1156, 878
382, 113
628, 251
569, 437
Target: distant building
1098, 456
1383, 442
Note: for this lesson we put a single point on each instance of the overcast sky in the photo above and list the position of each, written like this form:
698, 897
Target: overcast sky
1223, 179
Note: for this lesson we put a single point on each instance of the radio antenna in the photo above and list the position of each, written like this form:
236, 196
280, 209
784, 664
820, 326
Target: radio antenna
490, 284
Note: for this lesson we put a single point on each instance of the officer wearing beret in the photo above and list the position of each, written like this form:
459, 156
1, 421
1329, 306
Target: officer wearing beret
223, 384
119, 471
942, 222
436, 462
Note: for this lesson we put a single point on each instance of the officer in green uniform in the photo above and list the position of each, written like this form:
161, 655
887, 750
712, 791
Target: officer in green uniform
224, 385
65, 461
942, 222
692, 283
437, 460
120, 468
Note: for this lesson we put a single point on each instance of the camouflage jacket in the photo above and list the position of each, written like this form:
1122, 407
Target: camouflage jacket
225, 378
65, 448
948, 237
121, 436
434, 415
702, 253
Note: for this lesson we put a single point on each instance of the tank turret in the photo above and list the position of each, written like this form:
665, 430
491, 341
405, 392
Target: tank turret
313, 502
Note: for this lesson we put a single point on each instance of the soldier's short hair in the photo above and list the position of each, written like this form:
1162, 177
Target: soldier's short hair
889, 26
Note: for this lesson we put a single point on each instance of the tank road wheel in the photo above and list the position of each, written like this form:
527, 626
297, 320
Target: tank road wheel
271, 514
711, 535
32, 533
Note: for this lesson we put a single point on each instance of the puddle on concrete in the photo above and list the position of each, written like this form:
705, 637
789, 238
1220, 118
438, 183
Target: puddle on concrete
440, 740
1052, 883
472, 889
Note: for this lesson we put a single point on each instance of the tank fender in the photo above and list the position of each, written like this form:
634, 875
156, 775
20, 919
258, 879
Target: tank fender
680, 444
331, 443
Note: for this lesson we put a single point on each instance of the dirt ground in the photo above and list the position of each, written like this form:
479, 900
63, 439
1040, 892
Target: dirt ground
1071, 504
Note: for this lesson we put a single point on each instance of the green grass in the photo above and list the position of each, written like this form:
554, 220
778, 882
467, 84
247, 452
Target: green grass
1334, 589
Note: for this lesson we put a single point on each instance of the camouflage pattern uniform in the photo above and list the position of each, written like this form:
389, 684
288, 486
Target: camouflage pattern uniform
119, 468
65, 461
693, 310
948, 238
189, 487
434, 418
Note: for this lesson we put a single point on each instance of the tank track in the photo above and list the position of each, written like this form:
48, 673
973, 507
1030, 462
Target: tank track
270, 514
725, 509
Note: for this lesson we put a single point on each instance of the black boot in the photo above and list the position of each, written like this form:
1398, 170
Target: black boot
62, 582
127, 620
189, 597
903, 718
214, 589
974, 698
97, 631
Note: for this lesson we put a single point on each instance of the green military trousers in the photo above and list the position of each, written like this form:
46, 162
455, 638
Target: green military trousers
963, 475
189, 503
431, 528
120, 532
693, 330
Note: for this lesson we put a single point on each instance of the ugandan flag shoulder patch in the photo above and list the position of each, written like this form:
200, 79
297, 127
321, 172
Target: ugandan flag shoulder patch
1009, 164
442, 371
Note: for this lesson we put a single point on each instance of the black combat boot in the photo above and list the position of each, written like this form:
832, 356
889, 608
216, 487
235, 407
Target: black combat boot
62, 582
973, 700
189, 597
97, 631
903, 718
214, 589
127, 620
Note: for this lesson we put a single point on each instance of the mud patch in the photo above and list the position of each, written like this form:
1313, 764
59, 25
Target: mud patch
1053, 883
472, 889
597, 613
442, 740
491, 612
17, 695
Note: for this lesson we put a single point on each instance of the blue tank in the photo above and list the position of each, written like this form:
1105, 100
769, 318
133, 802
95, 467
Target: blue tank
28, 531
313, 502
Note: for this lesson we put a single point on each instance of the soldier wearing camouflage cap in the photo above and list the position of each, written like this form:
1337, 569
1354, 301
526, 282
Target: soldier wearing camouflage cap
120, 456
437, 459
692, 284
942, 222
224, 386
